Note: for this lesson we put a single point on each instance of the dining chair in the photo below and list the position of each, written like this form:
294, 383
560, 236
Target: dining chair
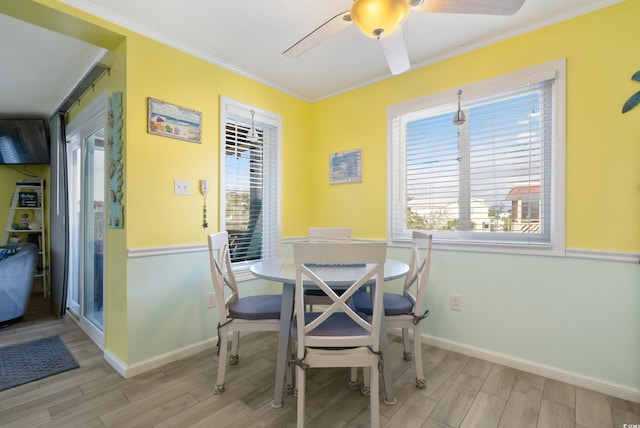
236, 314
318, 234
338, 336
405, 310
324, 234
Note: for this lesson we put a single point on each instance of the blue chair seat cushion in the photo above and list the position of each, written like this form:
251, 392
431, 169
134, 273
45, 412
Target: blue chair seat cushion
394, 304
338, 324
262, 307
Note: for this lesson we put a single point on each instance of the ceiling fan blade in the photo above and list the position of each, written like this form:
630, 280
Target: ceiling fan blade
329, 28
485, 7
395, 51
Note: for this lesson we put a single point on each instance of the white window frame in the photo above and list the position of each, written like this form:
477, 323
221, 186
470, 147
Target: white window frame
552, 70
230, 106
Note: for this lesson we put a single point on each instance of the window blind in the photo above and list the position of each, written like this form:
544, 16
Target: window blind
487, 180
249, 170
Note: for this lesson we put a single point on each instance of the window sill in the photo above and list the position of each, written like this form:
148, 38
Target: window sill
243, 273
481, 247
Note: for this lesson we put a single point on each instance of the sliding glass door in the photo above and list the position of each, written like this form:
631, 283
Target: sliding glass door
86, 165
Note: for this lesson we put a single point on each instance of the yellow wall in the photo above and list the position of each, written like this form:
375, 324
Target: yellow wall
58, 17
154, 215
603, 145
116, 318
601, 142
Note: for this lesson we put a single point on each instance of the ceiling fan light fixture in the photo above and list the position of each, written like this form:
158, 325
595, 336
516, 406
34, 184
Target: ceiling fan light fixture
378, 18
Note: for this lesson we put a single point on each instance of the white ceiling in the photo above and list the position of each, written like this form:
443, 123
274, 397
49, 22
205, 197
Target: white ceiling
248, 37
38, 68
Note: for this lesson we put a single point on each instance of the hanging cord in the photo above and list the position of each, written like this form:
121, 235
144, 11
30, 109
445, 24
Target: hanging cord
380, 359
365, 390
299, 361
204, 212
219, 389
418, 318
219, 327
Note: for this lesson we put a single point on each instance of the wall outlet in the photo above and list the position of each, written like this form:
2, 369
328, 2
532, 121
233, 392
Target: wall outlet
455, 302
211, 300
180, 187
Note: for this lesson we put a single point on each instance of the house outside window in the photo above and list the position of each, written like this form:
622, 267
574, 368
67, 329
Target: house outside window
525, 207
250, 182
495, 181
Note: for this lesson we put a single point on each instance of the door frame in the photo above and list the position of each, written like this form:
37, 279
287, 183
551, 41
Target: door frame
83, 125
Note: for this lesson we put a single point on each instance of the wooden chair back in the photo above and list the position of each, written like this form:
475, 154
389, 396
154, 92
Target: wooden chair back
419, 268
319, 263
317, 234
221, 272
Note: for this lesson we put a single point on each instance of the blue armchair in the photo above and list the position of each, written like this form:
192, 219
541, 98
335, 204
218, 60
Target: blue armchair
16, 280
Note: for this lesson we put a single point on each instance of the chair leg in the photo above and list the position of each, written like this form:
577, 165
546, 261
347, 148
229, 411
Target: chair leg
235, 343
353, 381
300, 378
222, 360
406, 345
366, 381
417, 354
374, 396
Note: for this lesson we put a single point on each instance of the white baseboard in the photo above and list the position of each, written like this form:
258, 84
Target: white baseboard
114, 362
155, 362
609, 388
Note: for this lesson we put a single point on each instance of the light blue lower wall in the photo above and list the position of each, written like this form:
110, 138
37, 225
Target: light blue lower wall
576, 315
167, 303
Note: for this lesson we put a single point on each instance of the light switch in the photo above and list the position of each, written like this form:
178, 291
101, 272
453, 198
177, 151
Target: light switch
180, 187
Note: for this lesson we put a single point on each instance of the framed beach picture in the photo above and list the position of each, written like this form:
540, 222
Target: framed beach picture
170, 120
345, 167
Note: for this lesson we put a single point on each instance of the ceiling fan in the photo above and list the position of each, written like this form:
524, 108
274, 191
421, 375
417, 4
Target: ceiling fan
381, 19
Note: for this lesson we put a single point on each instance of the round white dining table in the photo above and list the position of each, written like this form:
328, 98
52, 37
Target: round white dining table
283, 270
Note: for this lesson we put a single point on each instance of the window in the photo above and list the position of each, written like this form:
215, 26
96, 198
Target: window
8, 152
250, 181
495, 180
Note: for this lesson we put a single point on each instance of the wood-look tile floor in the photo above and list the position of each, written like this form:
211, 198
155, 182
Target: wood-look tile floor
461, 392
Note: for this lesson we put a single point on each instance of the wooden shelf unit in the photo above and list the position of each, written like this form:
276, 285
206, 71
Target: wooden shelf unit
26, 223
